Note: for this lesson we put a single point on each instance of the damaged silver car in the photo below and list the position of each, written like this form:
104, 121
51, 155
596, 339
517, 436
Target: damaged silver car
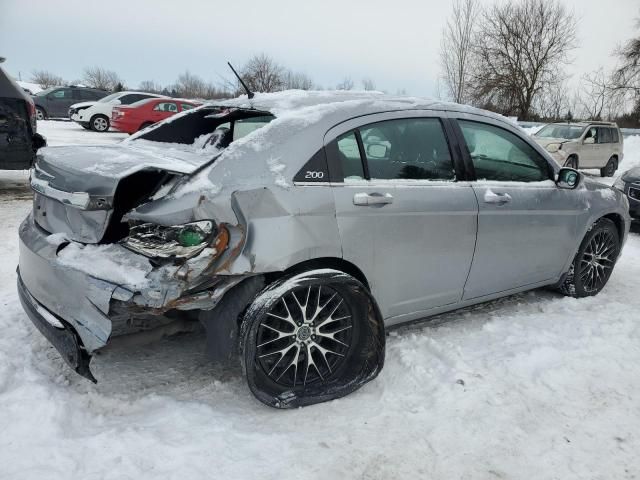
298, 226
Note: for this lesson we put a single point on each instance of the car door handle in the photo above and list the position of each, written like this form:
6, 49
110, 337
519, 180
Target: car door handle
372, 199
496, 198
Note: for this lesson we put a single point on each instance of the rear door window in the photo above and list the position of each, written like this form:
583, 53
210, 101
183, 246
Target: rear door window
604, 135
498, 154
132, 98
61, 94
615, 138
345, 151
409, 149
166, 107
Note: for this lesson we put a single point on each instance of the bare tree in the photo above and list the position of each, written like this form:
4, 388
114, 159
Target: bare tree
456, 48
46, 79
150, 86
520, 49
101, 78
297, 80
627, 76
263, 74
554, 102
368, 84
345, 84
189, 85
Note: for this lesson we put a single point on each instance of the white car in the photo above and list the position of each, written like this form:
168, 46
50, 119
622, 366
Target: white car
97, 115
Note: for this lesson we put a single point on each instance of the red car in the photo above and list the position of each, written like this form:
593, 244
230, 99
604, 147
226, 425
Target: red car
139, 115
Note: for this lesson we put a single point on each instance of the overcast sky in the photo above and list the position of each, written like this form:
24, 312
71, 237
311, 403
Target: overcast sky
396, 43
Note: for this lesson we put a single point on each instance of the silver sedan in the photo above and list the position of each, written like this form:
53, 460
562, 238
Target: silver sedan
297, 227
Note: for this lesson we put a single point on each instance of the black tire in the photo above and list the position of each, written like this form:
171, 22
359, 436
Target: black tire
572, 162
145, 125
610, 168
585, 279
99, 123
322, 359
41, 114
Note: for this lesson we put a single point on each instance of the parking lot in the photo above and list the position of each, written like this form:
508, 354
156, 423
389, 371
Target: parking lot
535, 385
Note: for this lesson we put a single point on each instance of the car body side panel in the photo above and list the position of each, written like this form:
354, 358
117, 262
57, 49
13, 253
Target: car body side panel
415, 252
524, 241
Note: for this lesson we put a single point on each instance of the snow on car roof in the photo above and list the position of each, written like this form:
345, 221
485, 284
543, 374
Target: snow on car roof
291, 100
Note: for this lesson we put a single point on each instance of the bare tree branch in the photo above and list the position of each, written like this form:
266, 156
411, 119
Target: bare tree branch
456, 48
46, 79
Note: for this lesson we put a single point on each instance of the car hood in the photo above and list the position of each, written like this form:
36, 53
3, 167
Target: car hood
632, 176
83, 104
544, 141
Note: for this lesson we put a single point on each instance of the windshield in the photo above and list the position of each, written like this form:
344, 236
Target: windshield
560, 131
42, 93
108, 98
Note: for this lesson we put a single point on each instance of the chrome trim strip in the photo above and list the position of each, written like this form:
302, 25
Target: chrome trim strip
43, 312
73, 199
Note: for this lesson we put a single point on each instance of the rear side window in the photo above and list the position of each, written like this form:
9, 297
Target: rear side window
402, 149
63, 93
604, 135
132, 98
186, 106
166, 107
412, 149
615, 138
498, 154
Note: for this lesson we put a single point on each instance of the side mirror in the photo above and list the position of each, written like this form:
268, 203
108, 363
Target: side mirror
589, 141
376, 150
568, 178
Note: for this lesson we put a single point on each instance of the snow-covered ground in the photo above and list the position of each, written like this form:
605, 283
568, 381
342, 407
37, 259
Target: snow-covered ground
534, 386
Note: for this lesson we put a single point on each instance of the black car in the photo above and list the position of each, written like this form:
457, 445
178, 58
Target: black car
55, 101
629, 183
18, 138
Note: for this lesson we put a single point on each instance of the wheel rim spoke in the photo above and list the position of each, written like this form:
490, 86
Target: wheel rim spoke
306, 323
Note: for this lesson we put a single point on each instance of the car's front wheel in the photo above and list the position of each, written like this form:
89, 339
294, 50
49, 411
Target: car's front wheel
311, 337
99, 123
610, 168
594, 262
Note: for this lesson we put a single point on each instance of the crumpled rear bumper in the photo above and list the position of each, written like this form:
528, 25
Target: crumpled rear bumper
87, 307
63, 337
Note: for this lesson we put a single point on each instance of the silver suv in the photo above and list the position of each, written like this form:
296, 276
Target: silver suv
298, 227
585, 145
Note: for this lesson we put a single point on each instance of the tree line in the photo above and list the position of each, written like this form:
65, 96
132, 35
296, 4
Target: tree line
512, 57
261, 73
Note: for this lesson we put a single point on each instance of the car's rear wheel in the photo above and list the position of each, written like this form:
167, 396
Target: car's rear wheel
99, 123
311, 337
610, 168
594, 262
40, 114
572, 162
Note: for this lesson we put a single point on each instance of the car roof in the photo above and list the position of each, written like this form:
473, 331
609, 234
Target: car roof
350, 103
586, 124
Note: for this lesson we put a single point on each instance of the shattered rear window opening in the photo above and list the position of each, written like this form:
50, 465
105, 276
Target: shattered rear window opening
208, 127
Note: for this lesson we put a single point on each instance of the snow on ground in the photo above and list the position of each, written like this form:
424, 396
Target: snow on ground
60, 132
533, 386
